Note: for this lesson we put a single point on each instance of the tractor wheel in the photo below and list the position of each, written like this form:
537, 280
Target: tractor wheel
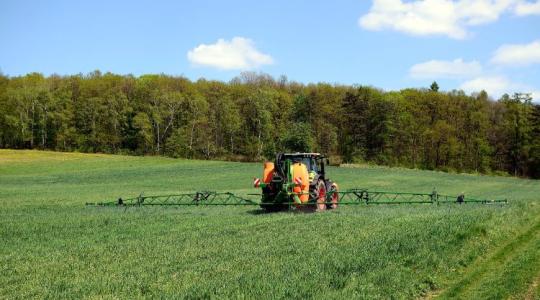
334, 198
321, 196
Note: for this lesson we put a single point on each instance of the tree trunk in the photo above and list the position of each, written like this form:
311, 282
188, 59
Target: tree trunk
259, 138
191, 136
32, 126
158, 138
44, 128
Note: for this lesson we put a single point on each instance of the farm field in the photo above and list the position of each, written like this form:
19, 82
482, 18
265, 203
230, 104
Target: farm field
52, 246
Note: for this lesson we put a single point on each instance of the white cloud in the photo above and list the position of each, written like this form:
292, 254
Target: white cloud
237, 54
536, 96
524, 8
433, 17
520, 54
435, 69
496, 86
417, 18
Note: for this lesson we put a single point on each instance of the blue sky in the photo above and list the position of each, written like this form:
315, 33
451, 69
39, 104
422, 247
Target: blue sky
391, 44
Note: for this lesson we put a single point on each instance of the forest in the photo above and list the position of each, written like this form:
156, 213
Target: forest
255, 115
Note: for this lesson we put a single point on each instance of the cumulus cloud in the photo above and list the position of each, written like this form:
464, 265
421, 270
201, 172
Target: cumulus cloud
237, 54
490, 80
417, 18
536, 96
517, 54
524, 8
454, 69
496, 86
433, 17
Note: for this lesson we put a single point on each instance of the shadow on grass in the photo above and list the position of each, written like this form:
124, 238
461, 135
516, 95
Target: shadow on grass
261, 211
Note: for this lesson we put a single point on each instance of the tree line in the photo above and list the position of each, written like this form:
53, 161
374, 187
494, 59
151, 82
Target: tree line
255, 115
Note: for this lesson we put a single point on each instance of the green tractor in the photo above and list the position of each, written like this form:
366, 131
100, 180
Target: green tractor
297, 180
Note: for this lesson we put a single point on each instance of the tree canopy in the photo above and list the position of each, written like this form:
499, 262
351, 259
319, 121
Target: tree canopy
254, 115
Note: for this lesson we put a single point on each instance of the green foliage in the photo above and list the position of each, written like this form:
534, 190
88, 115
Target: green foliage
534, 163
177, 144
141, 122
298, 138
52, 246
254, 115
518, 128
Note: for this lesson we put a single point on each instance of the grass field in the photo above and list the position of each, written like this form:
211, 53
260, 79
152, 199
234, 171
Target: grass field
52, 246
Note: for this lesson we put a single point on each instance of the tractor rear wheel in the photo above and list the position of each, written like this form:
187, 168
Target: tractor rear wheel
321, 196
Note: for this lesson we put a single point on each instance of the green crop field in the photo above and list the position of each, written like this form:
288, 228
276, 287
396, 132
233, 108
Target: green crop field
52, 246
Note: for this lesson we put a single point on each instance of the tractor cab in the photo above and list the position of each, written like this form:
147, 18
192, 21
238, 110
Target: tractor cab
314, 162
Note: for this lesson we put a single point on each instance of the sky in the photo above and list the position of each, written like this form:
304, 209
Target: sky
390, 44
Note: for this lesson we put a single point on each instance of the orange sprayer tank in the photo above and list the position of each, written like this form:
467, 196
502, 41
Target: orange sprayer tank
268, 172
300, 172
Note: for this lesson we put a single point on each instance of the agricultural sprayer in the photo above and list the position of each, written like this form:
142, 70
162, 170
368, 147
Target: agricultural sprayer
295, 181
